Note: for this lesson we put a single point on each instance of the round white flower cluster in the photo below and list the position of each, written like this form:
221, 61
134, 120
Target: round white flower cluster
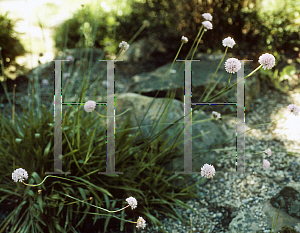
132, 202
19, 174
268, 152
216, 115
208, 171
266, 164
141, 223
267, 60
89, 106
124, 45
207, 16
232, 65
293, 108
207, 24
228, 42
184, 39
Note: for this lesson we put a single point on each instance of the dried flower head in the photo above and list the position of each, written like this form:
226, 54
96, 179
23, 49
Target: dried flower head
207, 16
19, 174
268, 152
267, 60
207, 25
89, 106
146, 23
232, 65
216, 115
293, 108
208, 171
141, 223
266, 164
132, 202
184, 39
228, 42
124, 45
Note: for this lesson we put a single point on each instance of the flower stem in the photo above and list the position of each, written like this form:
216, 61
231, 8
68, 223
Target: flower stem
213, 76
198, 41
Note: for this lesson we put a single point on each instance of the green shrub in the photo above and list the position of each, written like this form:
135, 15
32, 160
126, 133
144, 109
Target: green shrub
10, 44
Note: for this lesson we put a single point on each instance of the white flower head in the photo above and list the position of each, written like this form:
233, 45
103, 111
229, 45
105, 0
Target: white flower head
184, 39
141, 223
146, 23
268, 152
266, 164
70, 57
208, 171
207, 16
228, 42
267, 60
293, 108
297, 228
207, 25
216, 115
45, 83
19, 174
232, 65
89, 106
124, 45
132, 202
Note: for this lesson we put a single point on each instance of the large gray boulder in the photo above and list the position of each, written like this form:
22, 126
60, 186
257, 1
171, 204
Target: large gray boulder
212, 132
202, 71
289, 214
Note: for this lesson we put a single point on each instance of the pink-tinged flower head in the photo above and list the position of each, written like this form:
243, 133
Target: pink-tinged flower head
89, 106
208, 171
232, 65
267, 60
19, 174
207, 16
268, 152
207, 24
132, 202
184, 39
141, 223
293, 108
124, 45
266, 164
228, 42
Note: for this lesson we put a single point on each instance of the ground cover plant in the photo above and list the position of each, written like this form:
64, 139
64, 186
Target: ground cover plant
65, 203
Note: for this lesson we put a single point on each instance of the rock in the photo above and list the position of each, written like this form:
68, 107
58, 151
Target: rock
139, 104
202, 71
147, 48
289, 212
290, 197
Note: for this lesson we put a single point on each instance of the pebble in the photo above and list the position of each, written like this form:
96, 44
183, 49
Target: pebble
245, 191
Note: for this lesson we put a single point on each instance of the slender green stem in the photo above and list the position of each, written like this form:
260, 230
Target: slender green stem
198, 41
233, 84
213, 77
136, 34
34, 185
95, 205
228, 80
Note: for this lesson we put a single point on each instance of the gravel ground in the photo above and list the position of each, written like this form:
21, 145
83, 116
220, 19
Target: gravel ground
241, 192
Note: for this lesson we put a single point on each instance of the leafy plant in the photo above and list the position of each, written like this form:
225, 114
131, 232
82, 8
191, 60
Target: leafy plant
10, 44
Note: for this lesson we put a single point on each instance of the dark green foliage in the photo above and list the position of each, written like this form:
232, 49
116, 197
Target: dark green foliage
286, 229
29, 144
69, 34
11, 46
